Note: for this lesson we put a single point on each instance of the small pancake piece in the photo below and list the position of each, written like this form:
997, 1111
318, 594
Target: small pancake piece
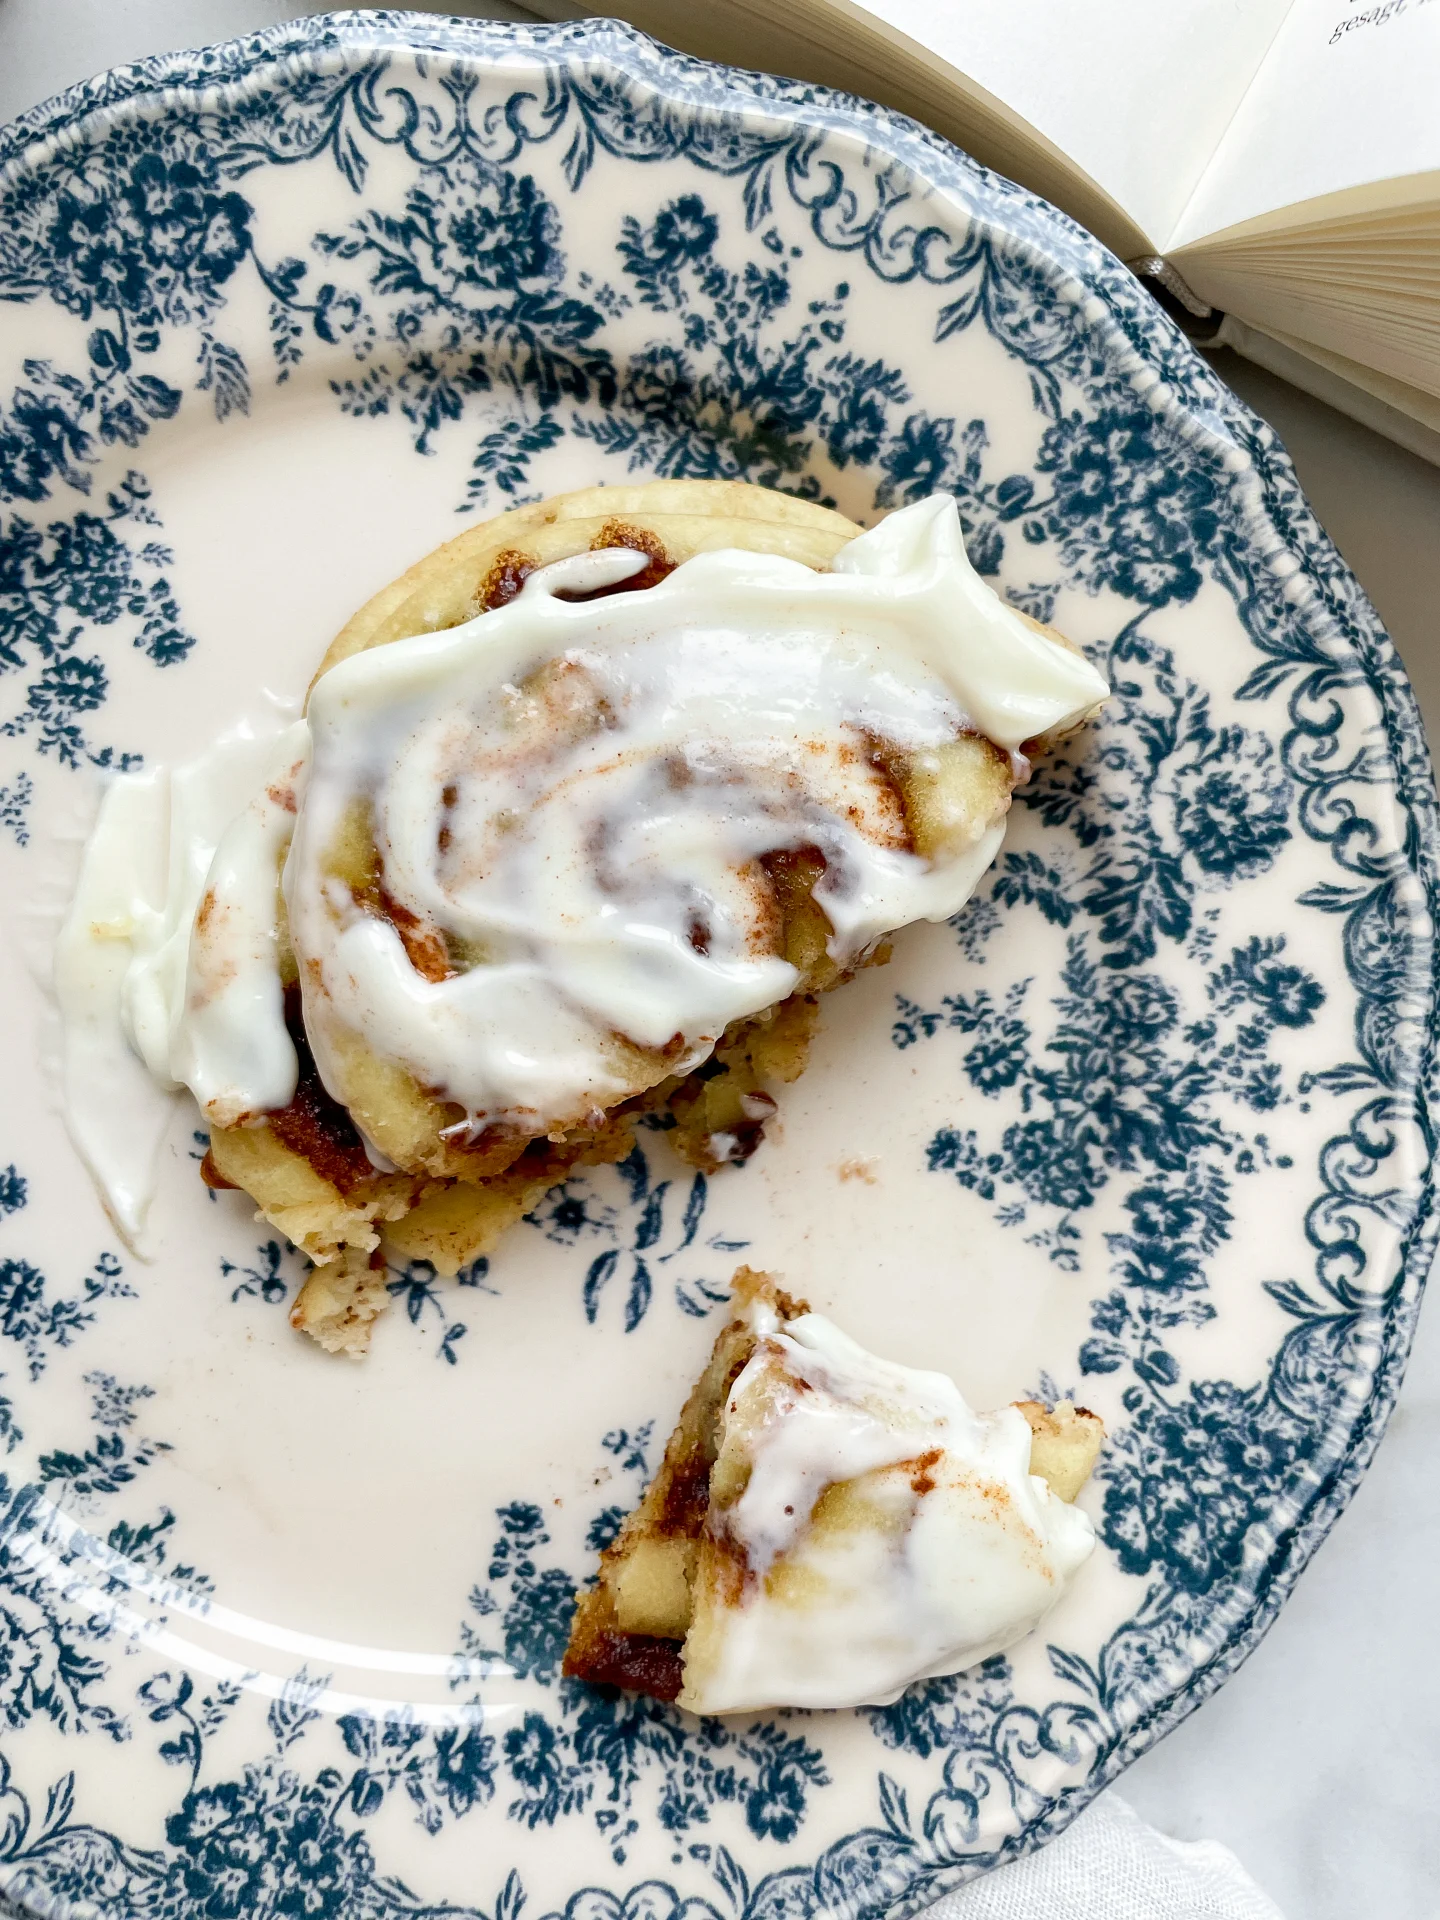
670, 1585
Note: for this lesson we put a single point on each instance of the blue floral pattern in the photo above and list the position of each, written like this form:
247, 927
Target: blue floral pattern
639, 1222
595, 1753
1201, 969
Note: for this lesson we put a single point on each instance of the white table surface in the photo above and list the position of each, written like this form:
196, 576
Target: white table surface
1319, 1763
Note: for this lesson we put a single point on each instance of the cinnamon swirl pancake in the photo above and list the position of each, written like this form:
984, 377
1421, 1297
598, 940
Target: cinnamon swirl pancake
585, 812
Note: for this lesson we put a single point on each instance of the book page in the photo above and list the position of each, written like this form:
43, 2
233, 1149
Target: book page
1137, 92
1348, 96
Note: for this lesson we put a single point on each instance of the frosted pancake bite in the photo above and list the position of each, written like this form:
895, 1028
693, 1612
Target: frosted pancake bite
828, 1527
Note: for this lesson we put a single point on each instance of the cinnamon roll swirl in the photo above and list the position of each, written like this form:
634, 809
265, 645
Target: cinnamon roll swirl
584, 813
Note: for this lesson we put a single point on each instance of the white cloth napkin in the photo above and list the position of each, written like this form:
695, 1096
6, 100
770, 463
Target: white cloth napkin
1111, 1866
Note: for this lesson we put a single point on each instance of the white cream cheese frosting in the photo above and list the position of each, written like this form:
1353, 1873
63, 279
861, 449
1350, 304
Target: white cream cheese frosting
594, 832
132, 1034
571, 797
888, 1533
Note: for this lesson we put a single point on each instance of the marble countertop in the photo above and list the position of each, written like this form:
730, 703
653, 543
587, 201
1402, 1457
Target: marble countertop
1319, 1762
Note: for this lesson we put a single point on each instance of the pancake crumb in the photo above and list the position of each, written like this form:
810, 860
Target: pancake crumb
859, 1168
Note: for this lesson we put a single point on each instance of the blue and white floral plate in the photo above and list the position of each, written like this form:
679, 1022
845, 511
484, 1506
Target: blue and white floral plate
279, 1635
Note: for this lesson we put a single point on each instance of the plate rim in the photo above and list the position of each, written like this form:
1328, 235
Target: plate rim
1277, 521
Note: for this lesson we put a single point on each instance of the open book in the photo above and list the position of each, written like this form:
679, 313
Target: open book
1277, 161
